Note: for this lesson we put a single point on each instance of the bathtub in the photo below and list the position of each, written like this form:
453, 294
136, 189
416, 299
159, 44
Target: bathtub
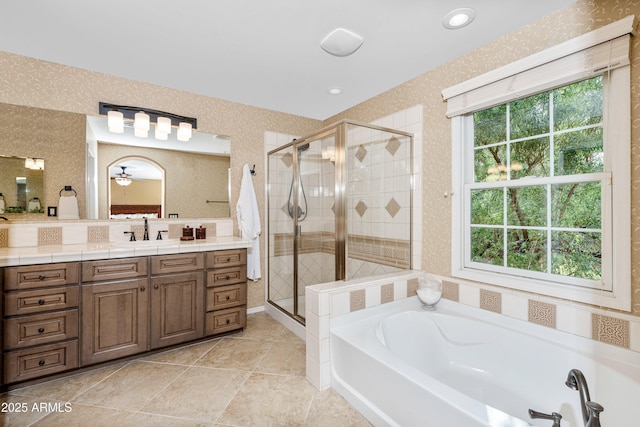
465, 367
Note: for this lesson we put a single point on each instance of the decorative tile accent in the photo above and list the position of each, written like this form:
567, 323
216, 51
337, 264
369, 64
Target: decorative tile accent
386, 293
287, 159
451, 291
361, 153
49, 236
610, 330
412, 287
4, 238
357, 300
490, 300
393, 145
97, 233
361, 208
175, 231
542, 313
392, 207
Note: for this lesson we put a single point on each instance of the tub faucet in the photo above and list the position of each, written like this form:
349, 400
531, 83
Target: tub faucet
556, 417
146, 230
590, 410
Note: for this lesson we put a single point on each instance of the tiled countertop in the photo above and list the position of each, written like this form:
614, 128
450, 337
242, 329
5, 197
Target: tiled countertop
92, 251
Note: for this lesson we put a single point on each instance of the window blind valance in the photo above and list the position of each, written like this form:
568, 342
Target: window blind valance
580, 58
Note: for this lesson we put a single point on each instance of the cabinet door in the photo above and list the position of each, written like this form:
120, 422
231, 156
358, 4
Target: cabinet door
177, 308
114, 320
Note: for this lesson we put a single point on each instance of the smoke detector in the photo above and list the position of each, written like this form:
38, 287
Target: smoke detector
341, 42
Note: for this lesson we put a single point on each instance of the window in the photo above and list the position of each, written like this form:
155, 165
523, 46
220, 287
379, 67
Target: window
542, 200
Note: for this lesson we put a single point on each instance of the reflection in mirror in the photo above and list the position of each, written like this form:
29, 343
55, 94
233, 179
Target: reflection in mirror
195, 172
21, 185
136, 189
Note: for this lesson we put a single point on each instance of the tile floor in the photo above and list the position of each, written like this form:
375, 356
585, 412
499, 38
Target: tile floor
252, 378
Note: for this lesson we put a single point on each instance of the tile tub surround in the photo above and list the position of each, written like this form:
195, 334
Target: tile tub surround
35, 243
199, 384
329, 300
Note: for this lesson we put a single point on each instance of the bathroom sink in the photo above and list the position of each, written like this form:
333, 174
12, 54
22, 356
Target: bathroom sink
145, 243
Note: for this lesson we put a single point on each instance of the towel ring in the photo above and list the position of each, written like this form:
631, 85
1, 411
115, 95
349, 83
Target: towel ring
68, 188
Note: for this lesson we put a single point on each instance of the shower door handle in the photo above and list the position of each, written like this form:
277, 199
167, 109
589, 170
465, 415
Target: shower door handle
298, 230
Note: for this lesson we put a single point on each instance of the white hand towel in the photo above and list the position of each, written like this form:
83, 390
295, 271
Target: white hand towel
68, 208
249, 222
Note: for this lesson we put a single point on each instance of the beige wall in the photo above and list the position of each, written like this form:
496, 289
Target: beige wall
29, 82
577, 19
147, 192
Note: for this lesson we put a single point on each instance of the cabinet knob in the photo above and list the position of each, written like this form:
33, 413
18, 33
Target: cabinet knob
156, 286
227, 298
142, 288
41, 302
228, 258
41, 277
227, 277
41, 363
228, 321
40, 330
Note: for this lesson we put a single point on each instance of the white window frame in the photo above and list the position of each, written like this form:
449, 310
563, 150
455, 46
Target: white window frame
614, 291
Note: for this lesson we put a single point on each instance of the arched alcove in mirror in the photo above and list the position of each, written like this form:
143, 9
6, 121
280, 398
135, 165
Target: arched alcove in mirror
136, 188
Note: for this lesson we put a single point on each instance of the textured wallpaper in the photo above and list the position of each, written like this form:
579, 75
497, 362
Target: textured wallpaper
579, 18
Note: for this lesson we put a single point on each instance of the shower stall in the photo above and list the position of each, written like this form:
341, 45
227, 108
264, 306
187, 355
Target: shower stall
339, 208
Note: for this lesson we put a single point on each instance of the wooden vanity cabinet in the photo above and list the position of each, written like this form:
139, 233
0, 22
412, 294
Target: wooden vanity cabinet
115, 304
177, 298
226, 291
40, 320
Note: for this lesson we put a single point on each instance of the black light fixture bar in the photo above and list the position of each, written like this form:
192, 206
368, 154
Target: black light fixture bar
130, 112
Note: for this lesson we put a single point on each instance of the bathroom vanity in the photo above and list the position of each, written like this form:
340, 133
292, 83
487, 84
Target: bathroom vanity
60, 316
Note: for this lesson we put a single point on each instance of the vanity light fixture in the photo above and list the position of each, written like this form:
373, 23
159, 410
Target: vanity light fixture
142, 119
458, 18
33, 163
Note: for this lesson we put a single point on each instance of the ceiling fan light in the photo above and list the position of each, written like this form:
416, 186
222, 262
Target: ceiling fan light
161, 136
141, 121
164, 125
184, 131
123, 181
115, 121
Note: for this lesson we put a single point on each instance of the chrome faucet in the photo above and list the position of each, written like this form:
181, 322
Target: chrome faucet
590, 410
146, 230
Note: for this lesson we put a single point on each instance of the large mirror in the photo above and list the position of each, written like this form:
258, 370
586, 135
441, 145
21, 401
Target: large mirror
189, 179
21, 185
79, 150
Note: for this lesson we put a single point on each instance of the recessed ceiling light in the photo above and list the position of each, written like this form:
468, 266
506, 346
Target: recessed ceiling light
458, 18
335, 90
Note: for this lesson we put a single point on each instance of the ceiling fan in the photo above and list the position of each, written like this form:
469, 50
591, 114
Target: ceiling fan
123, 178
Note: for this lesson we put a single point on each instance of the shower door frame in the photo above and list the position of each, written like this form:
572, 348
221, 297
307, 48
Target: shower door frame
339, 131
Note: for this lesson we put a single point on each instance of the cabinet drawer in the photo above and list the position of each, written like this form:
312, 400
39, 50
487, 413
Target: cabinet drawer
39, 276
225, 320
28, 302
226, 258
39, 361
226, 296
114, 269
40, 329
177, 263
227, 276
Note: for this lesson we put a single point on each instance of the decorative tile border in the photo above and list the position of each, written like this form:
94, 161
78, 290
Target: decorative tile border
49, 236
98, 233
386, 293
357, 300
610, 330
412, 287
4, 237
542, 313
450, 291
490, 300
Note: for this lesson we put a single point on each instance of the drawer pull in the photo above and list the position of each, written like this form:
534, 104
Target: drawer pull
227, 277
142, 288
228, 297
228, 321
156, 286
41, 363
40, 330
228, 258
41, 302
41, 277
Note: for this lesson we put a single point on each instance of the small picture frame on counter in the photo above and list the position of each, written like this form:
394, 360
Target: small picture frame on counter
52, 211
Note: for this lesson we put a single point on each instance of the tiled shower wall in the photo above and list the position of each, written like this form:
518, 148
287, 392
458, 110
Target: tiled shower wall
378, 206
